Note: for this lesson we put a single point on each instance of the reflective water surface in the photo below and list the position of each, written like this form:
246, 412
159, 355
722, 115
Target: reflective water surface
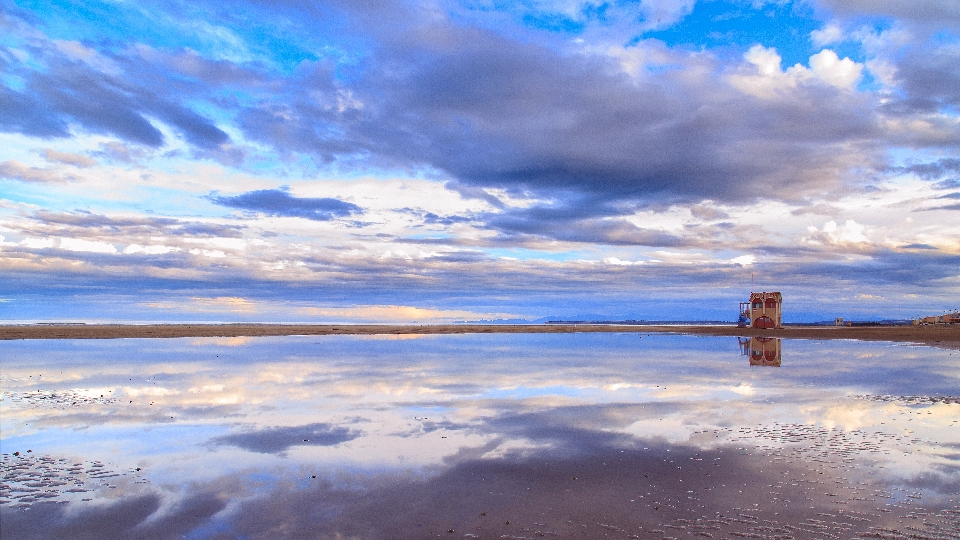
479, 436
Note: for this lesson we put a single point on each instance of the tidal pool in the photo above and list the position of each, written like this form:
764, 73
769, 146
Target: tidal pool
479, 436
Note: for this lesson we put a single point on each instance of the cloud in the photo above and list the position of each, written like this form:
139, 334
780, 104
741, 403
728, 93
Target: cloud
708, 212
827, 66
591, 130
497, 114
664, 13
934, 170
930, 13
78, 86
37, 243
223, 304
14, 170
67, 158
829, 34
279, 203
930, 79
117, 151
767, 80
538, 223
850, 232
127, 227
24, 113
280, 439
79, 244
150, 250
565, 153
397, 314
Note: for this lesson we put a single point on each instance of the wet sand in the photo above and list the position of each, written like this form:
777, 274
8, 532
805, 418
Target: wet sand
824, 449
945, 336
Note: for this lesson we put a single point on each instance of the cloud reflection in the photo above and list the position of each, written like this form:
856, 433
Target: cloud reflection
279, 439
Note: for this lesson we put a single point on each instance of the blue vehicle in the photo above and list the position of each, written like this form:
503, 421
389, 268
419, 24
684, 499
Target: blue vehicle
744, 320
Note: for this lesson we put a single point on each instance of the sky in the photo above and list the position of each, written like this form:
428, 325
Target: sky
436, 161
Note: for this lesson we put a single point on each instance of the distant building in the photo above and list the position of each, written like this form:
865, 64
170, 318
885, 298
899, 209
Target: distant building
764, 310
838, 321
949, 318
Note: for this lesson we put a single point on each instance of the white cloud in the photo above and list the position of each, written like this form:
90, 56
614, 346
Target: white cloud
831, 33
77, 244
745, 260
763, 76
237, 244
213, 254
617, 262
850, 232
149, 250
37, 243
828, 67
664, 13
883, 71
766, 60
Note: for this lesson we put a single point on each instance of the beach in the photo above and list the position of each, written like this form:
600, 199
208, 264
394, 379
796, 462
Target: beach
943, 336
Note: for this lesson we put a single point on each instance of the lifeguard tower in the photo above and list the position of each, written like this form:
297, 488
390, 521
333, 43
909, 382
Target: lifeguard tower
764, 310
765, 351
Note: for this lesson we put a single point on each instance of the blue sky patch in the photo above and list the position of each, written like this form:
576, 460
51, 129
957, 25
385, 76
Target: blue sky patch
737, 26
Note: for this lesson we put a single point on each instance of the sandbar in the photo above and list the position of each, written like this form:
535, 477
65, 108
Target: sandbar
942, 335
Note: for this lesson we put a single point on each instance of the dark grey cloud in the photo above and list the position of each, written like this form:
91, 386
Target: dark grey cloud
279, 202
931, 13
280, 439
430, 218
946, 207
493, 111
69, 92
582, 221
499, 113
952, 183
929, 77
934, 170
908, 268
24, 113
460, 256
86, 219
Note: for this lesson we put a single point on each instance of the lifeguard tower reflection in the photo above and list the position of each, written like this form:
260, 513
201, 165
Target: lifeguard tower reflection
763, 351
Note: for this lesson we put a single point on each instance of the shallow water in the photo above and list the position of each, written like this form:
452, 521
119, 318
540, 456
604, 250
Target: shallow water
479, 436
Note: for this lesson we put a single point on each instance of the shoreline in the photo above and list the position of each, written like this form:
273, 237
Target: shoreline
945, 336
